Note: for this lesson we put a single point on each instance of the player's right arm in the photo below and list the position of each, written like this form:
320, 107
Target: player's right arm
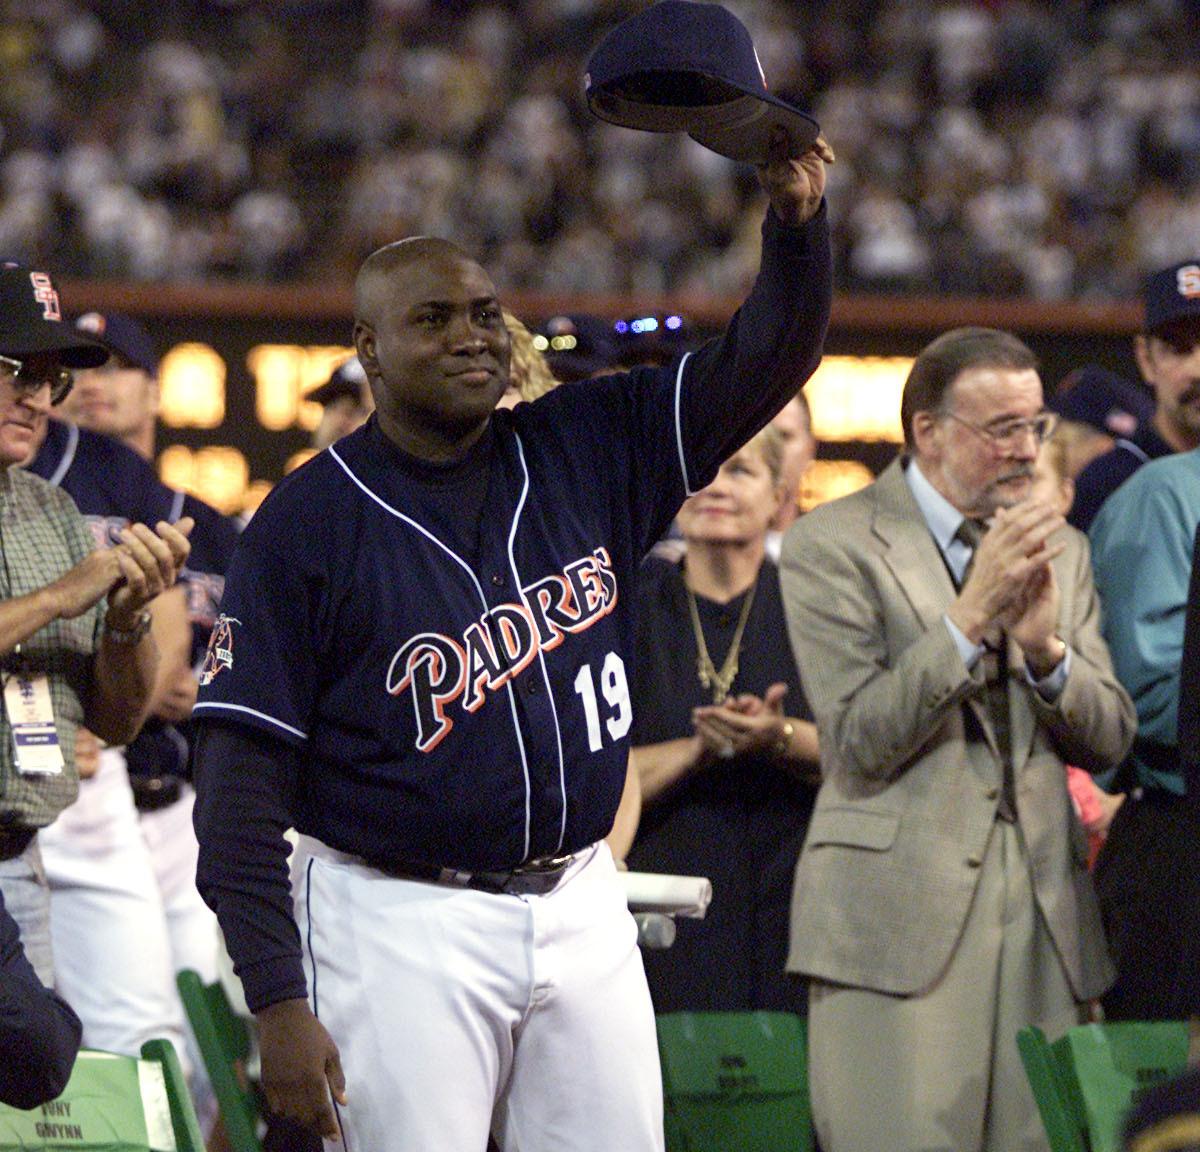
244, 782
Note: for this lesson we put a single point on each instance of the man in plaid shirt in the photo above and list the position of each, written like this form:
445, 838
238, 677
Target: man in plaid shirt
75, 644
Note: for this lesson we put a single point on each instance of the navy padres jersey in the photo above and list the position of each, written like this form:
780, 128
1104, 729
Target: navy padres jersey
474, 710
468, 710
113, 487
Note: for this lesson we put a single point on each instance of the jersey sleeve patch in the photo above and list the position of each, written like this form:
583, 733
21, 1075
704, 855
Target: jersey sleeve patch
219, 657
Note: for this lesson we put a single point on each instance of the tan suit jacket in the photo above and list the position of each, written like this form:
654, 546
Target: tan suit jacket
910, 764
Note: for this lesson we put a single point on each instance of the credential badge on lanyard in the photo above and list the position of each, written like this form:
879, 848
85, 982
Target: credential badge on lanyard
31, 714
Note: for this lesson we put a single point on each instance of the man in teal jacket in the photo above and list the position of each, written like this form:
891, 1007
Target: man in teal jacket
1142, 555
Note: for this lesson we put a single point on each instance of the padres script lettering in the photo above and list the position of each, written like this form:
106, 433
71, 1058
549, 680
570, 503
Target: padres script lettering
439, 669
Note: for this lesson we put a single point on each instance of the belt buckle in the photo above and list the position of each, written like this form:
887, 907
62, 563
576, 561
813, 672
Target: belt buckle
533, 878
544, 866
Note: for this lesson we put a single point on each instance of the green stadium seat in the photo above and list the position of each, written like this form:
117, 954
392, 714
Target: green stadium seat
735, 1080
111, 1104
1085, 1081
223, 1038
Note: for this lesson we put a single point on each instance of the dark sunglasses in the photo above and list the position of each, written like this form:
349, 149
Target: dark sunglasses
61, 380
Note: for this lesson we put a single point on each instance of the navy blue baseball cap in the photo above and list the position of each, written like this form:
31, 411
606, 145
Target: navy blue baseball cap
1172, 295
679, 66
577, 346
1107, 402
347, 379
123, 336
31, 320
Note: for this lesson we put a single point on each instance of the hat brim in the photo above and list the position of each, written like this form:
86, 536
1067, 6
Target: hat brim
73, 350
332, 390
1185, 314
123, 354
660, 100
730, 120
743, 130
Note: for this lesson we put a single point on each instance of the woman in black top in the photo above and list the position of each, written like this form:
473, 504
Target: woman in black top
725, 751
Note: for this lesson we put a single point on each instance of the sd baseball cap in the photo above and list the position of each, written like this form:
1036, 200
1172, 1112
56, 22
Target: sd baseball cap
1172, 295
31, 321
679, 66
347, 379
123, 336
1095, 396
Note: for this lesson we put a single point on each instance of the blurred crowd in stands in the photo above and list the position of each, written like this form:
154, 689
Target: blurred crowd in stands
1049, 150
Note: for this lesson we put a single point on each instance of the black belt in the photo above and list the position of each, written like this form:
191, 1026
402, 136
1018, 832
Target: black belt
533, 878
151, 793
14, 841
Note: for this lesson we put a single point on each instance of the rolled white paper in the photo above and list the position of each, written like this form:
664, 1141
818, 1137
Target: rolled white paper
673, 895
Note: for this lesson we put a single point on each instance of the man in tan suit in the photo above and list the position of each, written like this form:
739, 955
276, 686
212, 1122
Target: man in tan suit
942, 900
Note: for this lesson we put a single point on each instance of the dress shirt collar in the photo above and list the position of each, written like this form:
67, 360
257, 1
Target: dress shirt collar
941, 516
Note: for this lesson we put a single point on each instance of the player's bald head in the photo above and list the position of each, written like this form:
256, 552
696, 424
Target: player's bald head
430, 336
375, 283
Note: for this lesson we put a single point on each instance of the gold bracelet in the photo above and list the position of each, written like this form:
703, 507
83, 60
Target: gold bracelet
783, 746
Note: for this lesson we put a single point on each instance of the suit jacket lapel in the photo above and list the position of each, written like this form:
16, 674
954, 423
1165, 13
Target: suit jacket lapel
913, 557
920, 571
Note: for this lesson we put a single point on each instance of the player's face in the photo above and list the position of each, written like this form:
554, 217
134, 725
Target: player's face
23, 411
440, 354
737, 507
341, 416
971, 469
1170, 364
114, 399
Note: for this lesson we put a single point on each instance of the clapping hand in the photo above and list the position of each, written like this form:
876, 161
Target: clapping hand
149, 562
744, 723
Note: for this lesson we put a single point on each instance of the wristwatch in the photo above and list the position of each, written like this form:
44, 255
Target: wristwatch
130, 636
783, 745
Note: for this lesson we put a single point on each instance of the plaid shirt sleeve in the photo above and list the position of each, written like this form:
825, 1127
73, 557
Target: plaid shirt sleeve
43, 536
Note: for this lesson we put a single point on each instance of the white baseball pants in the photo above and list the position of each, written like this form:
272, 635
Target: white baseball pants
112, 954
458, 1012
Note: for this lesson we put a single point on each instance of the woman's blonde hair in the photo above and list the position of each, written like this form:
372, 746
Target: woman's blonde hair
529, 373
769, 442
1057, 449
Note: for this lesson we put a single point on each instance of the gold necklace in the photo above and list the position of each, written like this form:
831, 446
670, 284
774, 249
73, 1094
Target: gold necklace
719, 682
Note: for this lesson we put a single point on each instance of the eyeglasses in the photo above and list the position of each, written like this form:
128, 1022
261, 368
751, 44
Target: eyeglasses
24, 379
1011, 434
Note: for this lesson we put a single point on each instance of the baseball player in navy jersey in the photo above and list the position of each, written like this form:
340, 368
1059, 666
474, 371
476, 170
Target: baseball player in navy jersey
423, 665
120, 399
